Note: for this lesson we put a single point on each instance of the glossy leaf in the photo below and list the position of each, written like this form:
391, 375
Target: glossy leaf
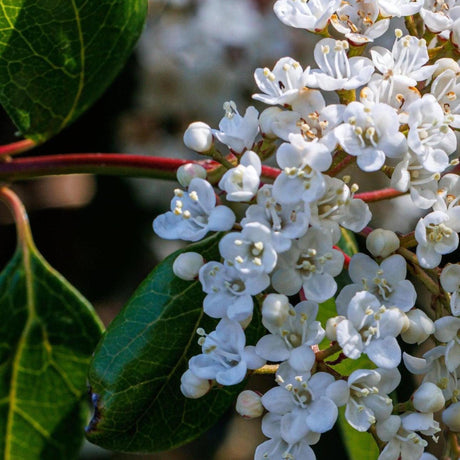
58, 56
48, 332
135, 374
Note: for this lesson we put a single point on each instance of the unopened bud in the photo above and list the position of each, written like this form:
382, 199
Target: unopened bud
275, 310
428, 398
187, 265
451, 417
198, 137
382, 242
445, 64
266, 119
186, 173
418, 327
192, 386
331, 327
249, 404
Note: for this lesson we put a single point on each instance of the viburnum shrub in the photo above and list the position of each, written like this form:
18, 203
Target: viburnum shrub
274, 282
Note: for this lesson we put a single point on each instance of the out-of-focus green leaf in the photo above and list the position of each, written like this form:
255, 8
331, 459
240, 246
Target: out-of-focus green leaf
360, 446
58, 56
135, 374
48, 332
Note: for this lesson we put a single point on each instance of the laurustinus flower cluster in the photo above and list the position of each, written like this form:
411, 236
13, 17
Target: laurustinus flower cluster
394, 112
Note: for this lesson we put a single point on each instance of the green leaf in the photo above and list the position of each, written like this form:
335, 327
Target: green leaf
48, 333
359, 446
136, 370
58, 56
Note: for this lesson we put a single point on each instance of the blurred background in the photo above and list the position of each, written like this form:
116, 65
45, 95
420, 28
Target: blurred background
192, 57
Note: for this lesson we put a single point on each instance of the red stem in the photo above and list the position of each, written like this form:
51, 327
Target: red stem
347, 258
106, 163
16, 147
378, 195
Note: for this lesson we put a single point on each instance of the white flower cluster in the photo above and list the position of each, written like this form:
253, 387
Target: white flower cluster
396, 112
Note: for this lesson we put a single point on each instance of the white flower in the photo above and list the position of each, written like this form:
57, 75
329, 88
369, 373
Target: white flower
399, 433
277, 448
286, 222
429, 133
302, 404
235, 131
336, 71
193, 214
386, 281
450, 281
225, 357
281, 85
371, 133
418, 328
389, 90
433, 366
371, 328
229, 293
437, 14
358, 21
301, 163
447, 329
405, 62
292, 340
241, 183
436, 235
446, 89
311, 265
399, 8
451, 417
310, 116
367, 396
338, 207
310, 15
251, 252
410, 174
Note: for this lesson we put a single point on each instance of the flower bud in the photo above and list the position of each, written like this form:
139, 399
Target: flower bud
266, 121
249, 404
198, 137
275, 309
192, 386
451, 417
186, 173
331, 327
445, 64
382, 242
187, 265
418, 328
428, 398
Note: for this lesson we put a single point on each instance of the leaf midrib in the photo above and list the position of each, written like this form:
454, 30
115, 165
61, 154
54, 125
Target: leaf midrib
25, 250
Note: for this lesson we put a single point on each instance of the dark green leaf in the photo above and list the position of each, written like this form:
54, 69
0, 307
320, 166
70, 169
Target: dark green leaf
48, 333
136, 370
58, 56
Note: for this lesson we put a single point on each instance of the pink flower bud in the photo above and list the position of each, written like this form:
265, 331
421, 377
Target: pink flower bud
249, 404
